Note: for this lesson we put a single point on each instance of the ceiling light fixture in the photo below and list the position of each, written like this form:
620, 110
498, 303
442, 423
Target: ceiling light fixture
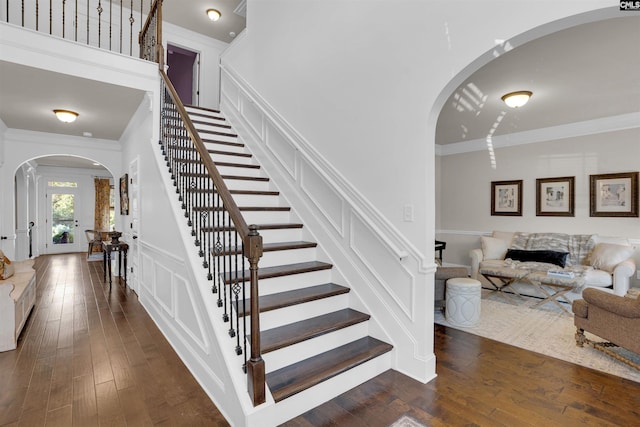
517, 99
213, 14
66, 116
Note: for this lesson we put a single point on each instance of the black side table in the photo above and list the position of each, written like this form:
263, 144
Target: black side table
121, 248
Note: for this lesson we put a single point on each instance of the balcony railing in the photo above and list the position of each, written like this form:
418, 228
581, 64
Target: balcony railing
113, 25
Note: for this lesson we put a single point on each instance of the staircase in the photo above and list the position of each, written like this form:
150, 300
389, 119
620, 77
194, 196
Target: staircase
310, 333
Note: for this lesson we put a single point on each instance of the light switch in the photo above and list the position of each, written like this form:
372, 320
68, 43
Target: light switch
407, 213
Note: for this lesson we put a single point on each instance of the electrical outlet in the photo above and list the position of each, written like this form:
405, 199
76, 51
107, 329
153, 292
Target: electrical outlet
407, 213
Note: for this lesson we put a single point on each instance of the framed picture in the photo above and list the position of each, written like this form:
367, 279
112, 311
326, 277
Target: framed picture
555, 196
614, 194
506, 198
124, 194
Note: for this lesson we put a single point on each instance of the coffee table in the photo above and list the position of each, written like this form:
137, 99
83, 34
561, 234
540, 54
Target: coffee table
502, 278
553, 287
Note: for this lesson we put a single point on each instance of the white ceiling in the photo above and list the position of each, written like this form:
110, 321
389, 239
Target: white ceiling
579, 74
582, 73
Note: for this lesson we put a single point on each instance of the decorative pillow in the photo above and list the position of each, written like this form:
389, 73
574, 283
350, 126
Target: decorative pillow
606, 256
549, 257
493, 248
6, 268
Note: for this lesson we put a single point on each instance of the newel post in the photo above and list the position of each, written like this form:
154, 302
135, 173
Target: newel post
255, 365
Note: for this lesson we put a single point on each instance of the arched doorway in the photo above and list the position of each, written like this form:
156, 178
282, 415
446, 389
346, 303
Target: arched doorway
55, 202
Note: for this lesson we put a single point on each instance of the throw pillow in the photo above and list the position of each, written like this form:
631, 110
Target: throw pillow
6, 268
493, 248
549, 257
606, 256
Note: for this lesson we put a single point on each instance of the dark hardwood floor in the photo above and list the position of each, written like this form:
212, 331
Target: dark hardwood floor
89, 356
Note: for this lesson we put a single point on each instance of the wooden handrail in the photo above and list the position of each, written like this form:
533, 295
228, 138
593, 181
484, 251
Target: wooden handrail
223, 191
251, 242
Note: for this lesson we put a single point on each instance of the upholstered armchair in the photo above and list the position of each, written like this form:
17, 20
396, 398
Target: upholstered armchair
611, 317
442, 275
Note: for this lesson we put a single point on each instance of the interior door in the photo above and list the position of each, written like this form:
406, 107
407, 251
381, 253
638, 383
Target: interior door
63, 231
134, 212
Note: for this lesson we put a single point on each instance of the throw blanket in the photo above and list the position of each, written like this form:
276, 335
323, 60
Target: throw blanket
578, 245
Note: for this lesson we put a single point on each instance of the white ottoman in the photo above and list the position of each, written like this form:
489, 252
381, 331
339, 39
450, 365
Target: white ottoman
462, 306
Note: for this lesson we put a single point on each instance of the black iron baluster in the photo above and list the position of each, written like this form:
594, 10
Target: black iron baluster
131, 21
110, 21
37, 13
50, 16
64, 3
237, 287
23, 13
217, 269
226, 271
99, 22
87, 21
244, 309
75, 22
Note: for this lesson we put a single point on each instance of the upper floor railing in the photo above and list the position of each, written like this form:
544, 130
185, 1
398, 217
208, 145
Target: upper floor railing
113, 25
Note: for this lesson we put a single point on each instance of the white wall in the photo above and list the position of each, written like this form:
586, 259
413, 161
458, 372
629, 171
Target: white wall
465, 180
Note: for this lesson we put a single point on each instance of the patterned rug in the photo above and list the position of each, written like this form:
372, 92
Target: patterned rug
546, 330
407, 421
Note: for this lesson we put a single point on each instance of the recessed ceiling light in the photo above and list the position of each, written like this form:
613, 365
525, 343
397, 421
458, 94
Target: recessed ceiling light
213, 14
517, 99
232, 34
66, 116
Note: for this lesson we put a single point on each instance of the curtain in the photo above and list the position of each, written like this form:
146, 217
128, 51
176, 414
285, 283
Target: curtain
103, 189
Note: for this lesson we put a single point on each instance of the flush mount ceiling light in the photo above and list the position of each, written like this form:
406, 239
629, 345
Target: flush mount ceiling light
517, 99
66, 116
213, 14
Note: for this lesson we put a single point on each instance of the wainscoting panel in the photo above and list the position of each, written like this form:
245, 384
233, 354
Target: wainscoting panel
146, 273
186, 316
230, 92
252, 115
164, 288
328, 202
282, 148
383, 264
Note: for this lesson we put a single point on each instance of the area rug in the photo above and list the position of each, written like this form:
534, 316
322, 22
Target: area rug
407, 421
546, 330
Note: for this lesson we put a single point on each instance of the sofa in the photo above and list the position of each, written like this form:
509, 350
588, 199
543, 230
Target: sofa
17, 299
602, 262
613, 318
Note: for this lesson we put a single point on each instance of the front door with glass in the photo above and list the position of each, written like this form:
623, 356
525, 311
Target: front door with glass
62, 222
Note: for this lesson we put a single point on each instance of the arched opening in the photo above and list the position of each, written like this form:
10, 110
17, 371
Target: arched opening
575, 106
57, 198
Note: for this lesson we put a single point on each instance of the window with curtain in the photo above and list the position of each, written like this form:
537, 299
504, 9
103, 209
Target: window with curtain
103, 204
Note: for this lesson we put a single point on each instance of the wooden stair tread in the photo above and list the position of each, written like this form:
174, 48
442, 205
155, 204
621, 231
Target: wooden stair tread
245, 208
238, 192
205, 140
277, 246
202, 122
294, 297
215, 132
225, 164
280, 270
236, 177
208, 116
300, 376
293, 333
210, 150
275, 226
204, 109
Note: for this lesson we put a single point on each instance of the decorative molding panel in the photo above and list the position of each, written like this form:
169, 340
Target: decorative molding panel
187, 315
164, 288
252, 115
323, 196
383, 264
282, 149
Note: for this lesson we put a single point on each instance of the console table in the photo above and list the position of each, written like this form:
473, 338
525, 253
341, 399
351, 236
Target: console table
120, 248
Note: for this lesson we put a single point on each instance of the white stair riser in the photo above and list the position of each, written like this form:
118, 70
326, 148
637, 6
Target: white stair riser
327, 390
293, 281
216, 126
243, 184
233, 170
200, 118
266, 217
289, 256
231, 158
214, 137
281, 235
282, 316
257, 200
224, 147
278, 359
